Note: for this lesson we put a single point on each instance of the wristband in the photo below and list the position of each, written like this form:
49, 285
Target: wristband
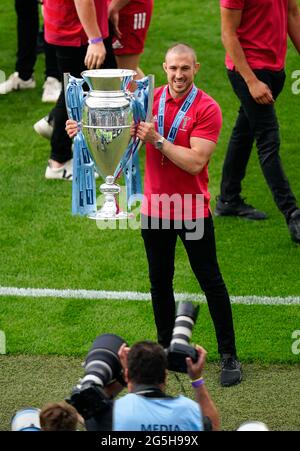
95, 40
197, 382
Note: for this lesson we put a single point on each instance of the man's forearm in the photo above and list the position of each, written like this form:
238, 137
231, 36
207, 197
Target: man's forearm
88, 17
294, 24
185, 158
234, 49
208, 408
260, 92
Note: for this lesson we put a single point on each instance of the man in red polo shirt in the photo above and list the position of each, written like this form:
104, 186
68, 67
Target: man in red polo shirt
179, 144
254, 34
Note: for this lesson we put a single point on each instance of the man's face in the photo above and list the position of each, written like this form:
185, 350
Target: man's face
181, 69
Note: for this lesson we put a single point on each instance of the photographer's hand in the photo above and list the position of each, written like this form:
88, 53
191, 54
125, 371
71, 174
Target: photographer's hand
123, 354
203, 398
113, 389
195, 370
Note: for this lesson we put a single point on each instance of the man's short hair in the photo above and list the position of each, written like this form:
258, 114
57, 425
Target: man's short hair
59, 416
147, 363
181, 47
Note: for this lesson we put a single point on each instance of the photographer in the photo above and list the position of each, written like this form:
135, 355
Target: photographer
147, 407
59, 416
55, 416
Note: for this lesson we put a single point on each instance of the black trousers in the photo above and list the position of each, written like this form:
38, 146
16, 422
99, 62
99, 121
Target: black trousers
70, 59
258, 123
27, 28
27, 31
160, 249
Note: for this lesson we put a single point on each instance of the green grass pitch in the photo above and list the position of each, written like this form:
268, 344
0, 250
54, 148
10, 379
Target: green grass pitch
43, 246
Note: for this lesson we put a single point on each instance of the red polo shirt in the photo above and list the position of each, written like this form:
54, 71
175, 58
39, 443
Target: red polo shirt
162, 177
262, 33
63, 27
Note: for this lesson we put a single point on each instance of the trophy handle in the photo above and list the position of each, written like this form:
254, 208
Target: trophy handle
151, 85
151, 79
66, 79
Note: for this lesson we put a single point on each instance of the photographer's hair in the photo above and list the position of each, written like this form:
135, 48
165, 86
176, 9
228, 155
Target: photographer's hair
59, 416
147, 363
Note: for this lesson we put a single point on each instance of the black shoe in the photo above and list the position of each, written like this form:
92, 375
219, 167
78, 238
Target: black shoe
238, 208
231, 372
294, 225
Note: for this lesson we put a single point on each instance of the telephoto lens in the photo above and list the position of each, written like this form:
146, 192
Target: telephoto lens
179, 349
102, 366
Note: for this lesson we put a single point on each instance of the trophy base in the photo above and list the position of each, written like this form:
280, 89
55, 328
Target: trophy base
104, 216
109, 210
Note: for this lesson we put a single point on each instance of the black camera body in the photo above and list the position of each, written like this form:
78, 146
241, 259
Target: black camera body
177, 353
102, 366
88, 400
180, 348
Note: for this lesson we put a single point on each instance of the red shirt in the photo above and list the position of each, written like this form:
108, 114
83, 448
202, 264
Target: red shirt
203, 120
262, 32
63, 27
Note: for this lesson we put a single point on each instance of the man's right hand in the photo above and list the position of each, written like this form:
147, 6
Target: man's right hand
260, 92
113, 16
71, 128
95, 55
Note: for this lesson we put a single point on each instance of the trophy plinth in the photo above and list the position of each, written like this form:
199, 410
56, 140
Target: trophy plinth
110, 209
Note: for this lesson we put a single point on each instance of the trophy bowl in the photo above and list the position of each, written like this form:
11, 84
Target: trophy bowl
107, 117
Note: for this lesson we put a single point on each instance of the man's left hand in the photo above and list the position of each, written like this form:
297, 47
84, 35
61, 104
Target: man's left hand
147, 133
114, 18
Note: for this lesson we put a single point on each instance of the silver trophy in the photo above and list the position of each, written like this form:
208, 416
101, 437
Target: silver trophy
107, 117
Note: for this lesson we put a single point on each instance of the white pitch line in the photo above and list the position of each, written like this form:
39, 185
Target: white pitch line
137, 296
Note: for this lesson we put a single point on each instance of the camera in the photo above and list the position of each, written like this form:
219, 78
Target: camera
102, 366
179, 349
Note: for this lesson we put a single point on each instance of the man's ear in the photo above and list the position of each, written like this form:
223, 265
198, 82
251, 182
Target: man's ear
165, 66
197, 67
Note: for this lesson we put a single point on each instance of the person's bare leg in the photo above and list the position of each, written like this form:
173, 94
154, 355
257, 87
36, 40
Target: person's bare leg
55, 164
130, 62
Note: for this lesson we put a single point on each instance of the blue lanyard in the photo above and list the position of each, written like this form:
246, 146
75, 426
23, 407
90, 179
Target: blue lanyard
179, 117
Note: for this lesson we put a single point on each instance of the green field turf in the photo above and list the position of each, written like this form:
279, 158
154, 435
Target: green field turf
262, 396
67, 327
43, 246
